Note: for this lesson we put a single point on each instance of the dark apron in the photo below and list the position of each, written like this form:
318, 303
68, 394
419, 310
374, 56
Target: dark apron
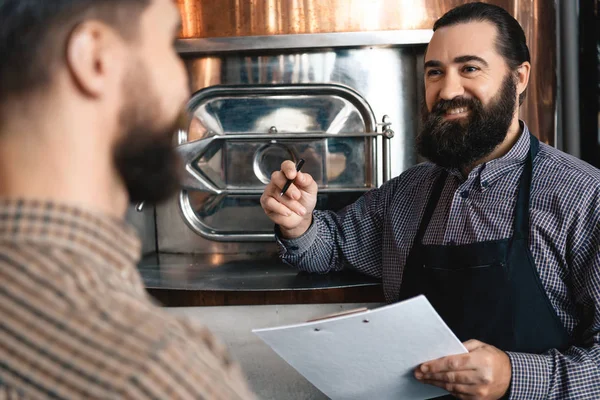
489, 291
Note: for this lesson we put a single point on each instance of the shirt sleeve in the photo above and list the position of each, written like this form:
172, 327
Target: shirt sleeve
574, 373
192, 365
349, 238
554, 375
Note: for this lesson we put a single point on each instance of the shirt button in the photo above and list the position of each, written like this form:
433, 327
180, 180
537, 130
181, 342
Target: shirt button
485, 184
464, 194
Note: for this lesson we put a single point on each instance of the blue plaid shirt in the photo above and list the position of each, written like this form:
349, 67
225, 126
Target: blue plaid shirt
375, 234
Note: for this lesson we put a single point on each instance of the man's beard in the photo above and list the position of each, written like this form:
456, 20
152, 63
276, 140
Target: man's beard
145, 156
460, 143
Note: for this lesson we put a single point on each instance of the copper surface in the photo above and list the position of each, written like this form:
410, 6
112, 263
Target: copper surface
224, 18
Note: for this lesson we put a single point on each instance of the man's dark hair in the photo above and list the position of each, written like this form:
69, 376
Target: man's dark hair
510, 41
34, 34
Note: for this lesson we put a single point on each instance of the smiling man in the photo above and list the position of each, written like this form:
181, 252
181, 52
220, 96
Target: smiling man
499, 231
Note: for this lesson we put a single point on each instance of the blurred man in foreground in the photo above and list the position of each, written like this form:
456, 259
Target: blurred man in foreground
89, 93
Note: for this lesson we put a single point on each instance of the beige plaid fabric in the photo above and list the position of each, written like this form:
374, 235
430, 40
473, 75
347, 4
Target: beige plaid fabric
76, 321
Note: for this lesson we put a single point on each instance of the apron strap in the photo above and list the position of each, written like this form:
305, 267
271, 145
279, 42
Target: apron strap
438, 186
521, 223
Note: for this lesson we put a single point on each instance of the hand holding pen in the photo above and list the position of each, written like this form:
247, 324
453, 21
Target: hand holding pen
290, 181
290, 198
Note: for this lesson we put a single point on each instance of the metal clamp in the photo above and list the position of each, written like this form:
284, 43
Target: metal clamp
193, 179
190, 152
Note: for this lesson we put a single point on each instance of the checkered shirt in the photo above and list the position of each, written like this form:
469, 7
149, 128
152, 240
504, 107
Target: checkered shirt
76, 321
375, 234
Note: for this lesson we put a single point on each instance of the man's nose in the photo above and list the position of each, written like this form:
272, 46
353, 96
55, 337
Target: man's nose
451, 87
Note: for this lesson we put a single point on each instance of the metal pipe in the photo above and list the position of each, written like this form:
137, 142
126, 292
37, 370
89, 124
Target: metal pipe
388, 134
201, 46
569, 60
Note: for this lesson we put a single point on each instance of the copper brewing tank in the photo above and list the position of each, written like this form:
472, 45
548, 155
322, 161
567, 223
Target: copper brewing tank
227, 18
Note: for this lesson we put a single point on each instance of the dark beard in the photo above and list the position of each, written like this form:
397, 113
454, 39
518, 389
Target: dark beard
461, 143
145, 157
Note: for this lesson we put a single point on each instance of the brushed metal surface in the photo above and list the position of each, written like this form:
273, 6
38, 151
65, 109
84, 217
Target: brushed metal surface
242, 134
227, 272
385, 77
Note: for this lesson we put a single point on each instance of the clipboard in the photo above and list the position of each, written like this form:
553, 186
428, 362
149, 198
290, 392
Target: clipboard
367, 354
339, 314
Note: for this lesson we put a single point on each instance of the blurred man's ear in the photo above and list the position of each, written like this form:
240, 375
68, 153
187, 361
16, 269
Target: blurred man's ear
91, 56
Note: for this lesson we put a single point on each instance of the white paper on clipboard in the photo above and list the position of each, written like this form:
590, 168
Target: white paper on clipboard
368, 355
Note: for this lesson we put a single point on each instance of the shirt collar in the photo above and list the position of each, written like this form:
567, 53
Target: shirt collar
107, 241
491, 171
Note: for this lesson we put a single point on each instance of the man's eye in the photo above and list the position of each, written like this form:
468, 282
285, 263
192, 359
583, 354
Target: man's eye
470, 69
433, 72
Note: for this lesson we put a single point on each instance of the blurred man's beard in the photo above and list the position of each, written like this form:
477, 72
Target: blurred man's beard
145, 156
460, 143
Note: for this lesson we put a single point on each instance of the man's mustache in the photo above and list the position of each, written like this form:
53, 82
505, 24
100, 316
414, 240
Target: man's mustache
442, 106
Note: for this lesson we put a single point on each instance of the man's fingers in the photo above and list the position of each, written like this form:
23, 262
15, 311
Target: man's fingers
288, 168
278, 179
305, 182
473, 344
302, 182
272, 206
483, 373
466, 377
450, 363
292, 193
272, 196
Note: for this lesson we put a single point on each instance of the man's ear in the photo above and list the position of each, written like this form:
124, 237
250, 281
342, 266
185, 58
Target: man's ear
91, 56
522, 75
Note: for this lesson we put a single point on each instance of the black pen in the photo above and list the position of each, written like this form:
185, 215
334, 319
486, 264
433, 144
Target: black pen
290, 181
